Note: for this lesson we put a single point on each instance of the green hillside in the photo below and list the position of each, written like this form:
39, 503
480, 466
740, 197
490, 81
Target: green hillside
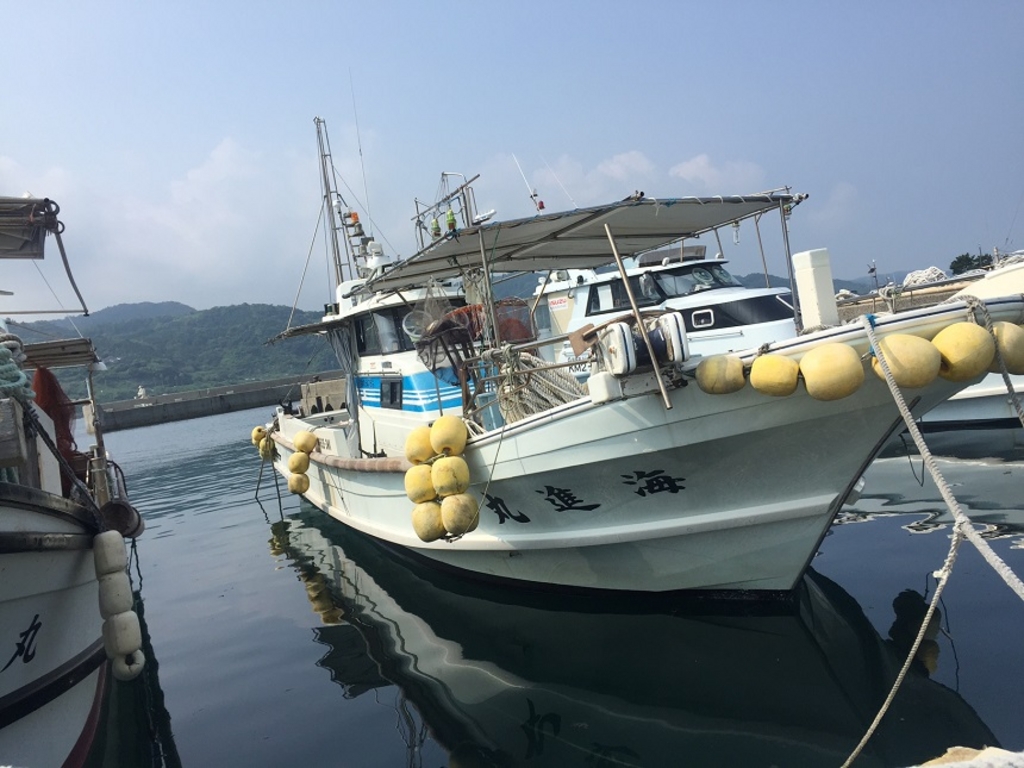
167, 350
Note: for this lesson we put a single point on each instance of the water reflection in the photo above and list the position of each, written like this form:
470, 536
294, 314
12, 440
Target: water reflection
505, 678
985, 472
135, 726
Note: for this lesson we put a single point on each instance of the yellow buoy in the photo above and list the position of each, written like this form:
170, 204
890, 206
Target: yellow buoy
1010, 340
448, 435
967, 350
774, 375
460, 513
298, 483
426, 521
258, 433
914, 362
298, 463
450, 475
832, 371
720, 374
417, 445
304, 441
418, 485
267, 448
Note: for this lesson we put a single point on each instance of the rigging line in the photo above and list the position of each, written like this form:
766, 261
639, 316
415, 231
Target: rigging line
359, 144
1013, 221
559, 182
305, 268
365, 208
57, 299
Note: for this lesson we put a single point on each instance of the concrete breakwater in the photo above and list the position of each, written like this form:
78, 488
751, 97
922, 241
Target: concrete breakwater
143, 411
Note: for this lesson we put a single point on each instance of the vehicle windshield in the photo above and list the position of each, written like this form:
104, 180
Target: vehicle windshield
684, 280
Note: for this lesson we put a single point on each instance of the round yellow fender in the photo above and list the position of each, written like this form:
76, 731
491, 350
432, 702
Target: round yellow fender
460, 513
267, 448
967, 350
775, 375
417, 445
426, 521
304, 441
720, 374
450, 475
298, 483
448, 435
298, 463
1010, 340
914, 362
258, 433
832, 371
418, 484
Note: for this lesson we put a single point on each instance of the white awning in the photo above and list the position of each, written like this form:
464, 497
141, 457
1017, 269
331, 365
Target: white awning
575, 239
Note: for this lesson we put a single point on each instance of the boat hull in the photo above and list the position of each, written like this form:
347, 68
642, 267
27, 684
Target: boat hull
630, 496
51, 647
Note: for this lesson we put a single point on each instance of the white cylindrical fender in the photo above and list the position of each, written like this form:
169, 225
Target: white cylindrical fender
122, 634
115, 594
108, 553
128, 667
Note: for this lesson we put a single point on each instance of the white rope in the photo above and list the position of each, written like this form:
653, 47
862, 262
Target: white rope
977, 307
962, 528
528, 388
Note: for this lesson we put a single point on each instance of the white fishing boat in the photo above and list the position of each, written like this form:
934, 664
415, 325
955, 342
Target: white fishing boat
719, 312
665, 471
66, 605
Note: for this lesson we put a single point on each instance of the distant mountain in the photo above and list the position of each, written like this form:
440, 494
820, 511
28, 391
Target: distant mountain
172, 348
143, 310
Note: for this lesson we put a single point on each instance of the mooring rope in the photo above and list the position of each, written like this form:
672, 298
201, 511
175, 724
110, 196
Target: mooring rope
978, 309
962, 528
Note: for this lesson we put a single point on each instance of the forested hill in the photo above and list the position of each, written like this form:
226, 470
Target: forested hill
170, 347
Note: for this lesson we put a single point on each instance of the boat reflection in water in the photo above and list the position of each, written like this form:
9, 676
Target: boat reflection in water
984, 468
504, 678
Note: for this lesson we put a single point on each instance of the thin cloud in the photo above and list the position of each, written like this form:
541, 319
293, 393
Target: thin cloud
732, 177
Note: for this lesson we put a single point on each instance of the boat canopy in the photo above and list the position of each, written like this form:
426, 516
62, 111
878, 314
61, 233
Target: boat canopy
24, 222
63, 353
574, 239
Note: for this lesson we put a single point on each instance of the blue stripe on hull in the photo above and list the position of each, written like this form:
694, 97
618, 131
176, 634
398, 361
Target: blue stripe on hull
419, 393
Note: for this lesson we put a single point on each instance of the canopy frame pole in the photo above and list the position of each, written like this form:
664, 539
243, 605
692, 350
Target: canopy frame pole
639, 319
489, 294
798, 315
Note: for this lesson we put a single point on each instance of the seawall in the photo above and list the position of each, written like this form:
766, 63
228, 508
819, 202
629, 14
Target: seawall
142, 412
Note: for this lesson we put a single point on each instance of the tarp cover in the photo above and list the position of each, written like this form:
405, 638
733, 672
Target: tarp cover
574, 239
23, 226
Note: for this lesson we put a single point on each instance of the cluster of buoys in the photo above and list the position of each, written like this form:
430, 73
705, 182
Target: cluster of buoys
438, 480
122, 633
264, 442
959, 352
298, 463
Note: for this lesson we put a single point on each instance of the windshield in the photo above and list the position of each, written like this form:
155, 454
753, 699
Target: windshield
682, 281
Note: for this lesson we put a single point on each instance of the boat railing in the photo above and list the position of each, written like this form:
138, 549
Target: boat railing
507, 383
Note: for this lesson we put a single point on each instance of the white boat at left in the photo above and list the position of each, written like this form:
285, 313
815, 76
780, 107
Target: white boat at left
66, 605
454, 441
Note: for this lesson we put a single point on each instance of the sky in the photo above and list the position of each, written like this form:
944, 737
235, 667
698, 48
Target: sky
178, 138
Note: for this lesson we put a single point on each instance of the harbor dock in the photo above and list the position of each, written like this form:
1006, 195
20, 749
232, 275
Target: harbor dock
177, 406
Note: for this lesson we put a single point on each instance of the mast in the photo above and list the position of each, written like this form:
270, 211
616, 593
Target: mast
332, 200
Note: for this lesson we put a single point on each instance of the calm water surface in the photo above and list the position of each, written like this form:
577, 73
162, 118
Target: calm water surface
281, 638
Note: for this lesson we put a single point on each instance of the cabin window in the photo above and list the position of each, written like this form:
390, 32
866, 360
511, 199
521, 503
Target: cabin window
367, 337
612, 296
391, 392
380, 333
703, 318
